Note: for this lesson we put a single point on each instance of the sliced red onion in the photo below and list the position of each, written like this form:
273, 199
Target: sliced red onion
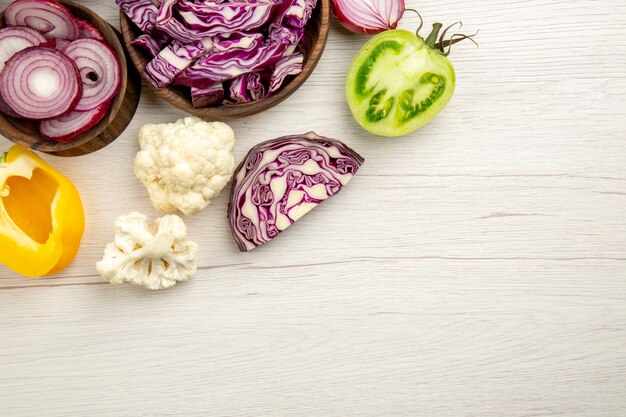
40, 83
368, 16
46, 17
67, 127
14, 39
61, 43
7, 110
99, 71
87, 30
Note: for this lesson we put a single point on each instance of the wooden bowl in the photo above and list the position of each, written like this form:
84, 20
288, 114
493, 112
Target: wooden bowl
26, 132
316, 34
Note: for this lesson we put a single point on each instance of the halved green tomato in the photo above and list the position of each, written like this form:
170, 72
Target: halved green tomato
398, 82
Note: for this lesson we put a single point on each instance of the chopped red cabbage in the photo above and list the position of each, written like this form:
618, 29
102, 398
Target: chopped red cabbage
148, 44
222, 66
171, 61
247, 87
246, 37
210, 96
289, 65
143, 13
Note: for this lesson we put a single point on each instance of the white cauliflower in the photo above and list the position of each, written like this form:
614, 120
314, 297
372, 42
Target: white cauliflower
185, 164
155, 258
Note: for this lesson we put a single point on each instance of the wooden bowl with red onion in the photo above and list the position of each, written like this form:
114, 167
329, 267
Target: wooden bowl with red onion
224, 60
65, 86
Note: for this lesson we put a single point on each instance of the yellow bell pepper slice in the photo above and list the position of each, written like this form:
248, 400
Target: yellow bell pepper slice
41, 215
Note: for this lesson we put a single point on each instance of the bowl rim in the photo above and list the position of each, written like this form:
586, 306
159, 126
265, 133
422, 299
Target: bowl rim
47, 145
233, 111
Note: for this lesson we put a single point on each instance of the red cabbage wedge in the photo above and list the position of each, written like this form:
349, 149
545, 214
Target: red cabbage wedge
281, 180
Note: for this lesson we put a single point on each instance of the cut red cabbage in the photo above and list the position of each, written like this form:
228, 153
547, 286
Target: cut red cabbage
171, 61
49, 18
299, 13
225, 51
248, 37
289, 36
14, 39
168, 23
87, 30
187, 20
289, 65
281, 180
238, 40
67, 127
99, 70
141, 12
148, 44
222, 66
217, 18
206, 97
246, 88
40, 83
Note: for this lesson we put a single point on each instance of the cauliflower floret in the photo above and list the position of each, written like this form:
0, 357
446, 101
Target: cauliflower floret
155, 258
184, 165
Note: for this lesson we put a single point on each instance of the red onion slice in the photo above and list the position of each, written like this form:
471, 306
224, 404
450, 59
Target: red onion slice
87, 30
61, 44
7, 110
99, 71
46, 17
40, 83
67, 127
368, 16
14, 39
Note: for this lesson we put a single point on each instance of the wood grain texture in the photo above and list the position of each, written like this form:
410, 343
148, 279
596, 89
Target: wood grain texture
123, 106
316, 35
475, 268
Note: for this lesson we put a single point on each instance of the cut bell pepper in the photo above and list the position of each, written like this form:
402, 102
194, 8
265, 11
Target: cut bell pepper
41, 215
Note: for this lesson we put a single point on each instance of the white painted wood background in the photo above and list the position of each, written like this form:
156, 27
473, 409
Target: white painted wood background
475, 268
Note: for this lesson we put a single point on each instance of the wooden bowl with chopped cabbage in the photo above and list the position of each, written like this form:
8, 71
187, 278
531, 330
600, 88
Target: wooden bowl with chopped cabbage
65, 87
224, 60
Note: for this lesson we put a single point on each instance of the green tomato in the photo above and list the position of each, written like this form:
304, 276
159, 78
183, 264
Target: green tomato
398, 82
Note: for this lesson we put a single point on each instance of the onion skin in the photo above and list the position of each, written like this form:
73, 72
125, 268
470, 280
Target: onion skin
377, 23
63, 130
14, 83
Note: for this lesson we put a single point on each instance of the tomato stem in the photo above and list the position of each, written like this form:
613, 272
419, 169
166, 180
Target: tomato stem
434, 35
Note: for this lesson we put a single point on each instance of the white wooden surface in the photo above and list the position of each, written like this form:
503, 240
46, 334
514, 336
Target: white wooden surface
476, 268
